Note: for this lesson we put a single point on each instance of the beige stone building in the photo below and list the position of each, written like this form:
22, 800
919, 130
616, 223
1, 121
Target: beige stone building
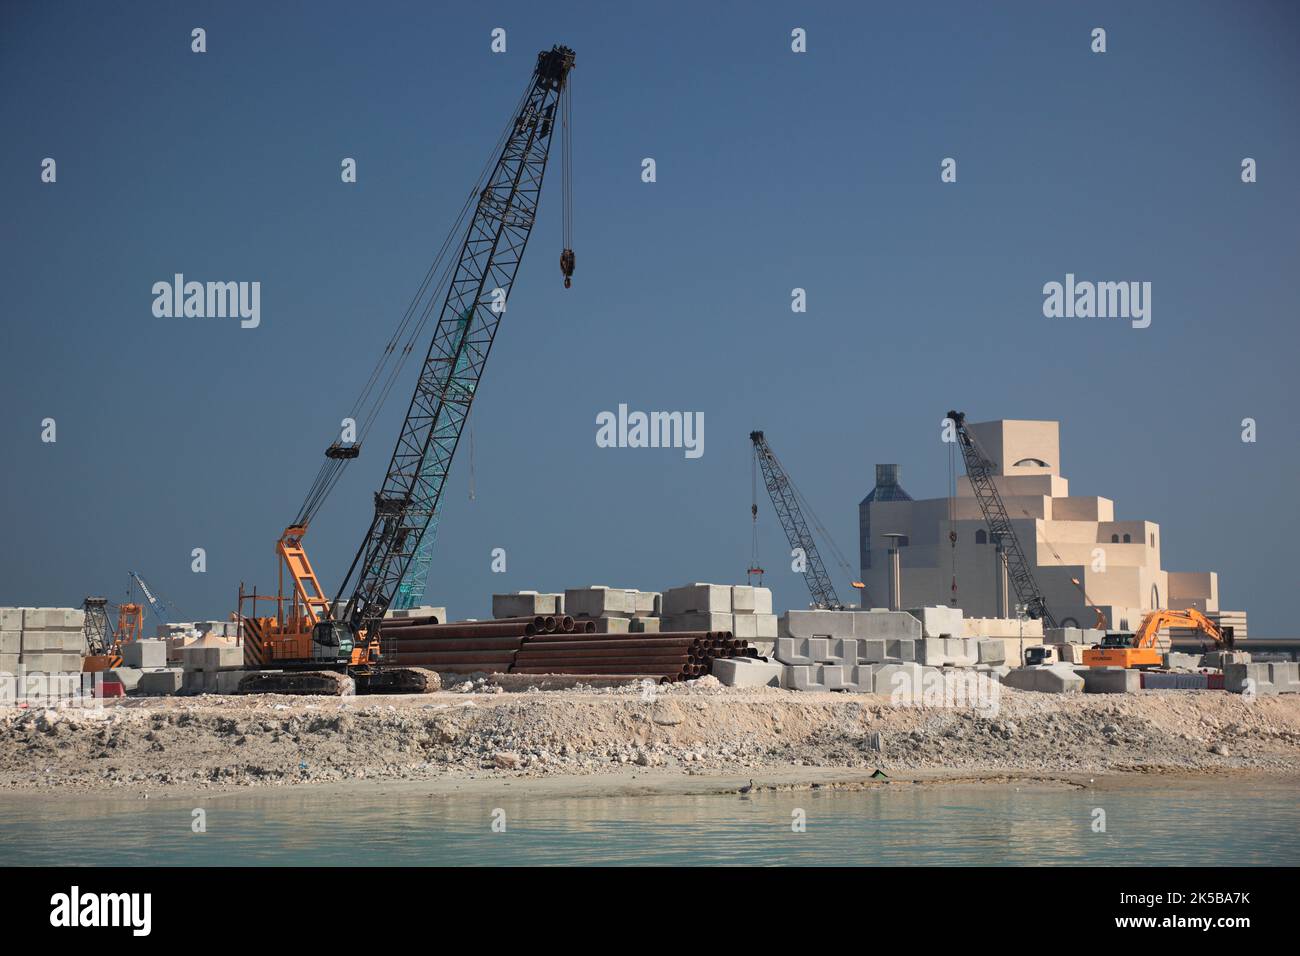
1064, 536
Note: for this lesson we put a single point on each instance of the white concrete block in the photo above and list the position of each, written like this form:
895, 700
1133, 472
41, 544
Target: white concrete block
1046, 678
939, 621
886, 625
11, 619
11, 642
145, 654
698, 598
644, 625
696, 621
597, 601
747, 672
932, 651
814, 623
990, 651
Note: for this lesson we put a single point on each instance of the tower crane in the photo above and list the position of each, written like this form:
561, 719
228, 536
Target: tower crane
308, 629
786, 501
979, 470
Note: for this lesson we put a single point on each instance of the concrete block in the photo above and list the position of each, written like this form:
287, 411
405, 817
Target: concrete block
961, 651
1186, 662
802, 677
598, 601
747, 672
1046, 679
11, 619
525, 604
1239, 678
612, 625
145, 654
70, 663
932, 651
765, 649
887, 625
1071, 635
1158, 680
832, 676
209, 655
53, 619
1220, 659
819, 649
939, 621
696, 621
873, 651
11, 642
645, 603
767, 626
862, 678
43, 662
742, 599
698, 598
644, 625
128, 677
792, 650
745, 626
1111, 680
41, 689
903, 650
1285, 676
816, 624
990, 651
160, 682
8, 663
904, 681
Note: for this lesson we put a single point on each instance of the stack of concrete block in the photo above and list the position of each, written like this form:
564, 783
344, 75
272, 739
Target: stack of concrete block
1046, 678
1184, 662
526, 604
46, 640
613, 609
844, 650
939, 621
211, 666
752, 617
698, 607
424, 611
11, 638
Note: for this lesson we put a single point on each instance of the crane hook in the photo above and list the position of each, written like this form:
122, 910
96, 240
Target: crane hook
567, 263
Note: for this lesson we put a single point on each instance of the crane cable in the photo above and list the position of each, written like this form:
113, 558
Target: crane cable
567, 258
754, 568
413, 322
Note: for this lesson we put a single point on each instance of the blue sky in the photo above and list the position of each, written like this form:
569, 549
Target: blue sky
775, 171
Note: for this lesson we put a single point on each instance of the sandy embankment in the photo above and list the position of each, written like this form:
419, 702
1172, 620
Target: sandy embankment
687, 737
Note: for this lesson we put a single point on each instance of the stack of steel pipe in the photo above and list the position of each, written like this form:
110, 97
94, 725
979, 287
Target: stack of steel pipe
667, 656
464, 646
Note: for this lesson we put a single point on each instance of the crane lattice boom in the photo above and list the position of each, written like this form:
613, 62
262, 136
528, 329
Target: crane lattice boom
786, 503
979, 469
489, 258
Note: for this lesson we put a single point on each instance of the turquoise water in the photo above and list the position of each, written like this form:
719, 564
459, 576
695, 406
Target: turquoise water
1158, 823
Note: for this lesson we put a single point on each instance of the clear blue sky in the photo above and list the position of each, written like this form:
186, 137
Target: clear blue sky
775, 170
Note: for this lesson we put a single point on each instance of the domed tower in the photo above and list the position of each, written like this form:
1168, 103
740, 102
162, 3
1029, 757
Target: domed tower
887, 489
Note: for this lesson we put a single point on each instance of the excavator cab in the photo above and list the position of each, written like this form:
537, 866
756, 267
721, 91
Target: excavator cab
1116, 639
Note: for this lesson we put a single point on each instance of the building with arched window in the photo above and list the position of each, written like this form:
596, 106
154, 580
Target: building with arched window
1117, 562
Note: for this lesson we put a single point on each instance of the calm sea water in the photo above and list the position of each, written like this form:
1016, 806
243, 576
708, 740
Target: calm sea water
1255, 823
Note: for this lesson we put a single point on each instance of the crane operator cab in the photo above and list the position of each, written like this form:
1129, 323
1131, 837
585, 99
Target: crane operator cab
331, 641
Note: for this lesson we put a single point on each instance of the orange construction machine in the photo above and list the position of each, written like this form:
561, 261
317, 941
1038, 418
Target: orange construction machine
1119, 649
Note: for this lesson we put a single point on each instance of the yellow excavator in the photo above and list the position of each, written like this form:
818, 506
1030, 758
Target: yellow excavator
1120, 649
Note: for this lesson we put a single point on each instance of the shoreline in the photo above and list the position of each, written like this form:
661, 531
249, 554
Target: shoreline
690, 739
